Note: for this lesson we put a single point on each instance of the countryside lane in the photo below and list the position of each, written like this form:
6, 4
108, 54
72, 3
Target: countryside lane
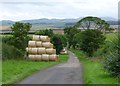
64, 73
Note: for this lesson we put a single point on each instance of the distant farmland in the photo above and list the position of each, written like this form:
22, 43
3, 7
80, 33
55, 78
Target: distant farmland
34, 27
6, 28
38, 27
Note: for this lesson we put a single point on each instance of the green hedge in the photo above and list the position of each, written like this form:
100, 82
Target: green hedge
112, 58
10, 52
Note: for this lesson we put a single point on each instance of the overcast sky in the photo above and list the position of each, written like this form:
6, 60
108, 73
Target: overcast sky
35, 9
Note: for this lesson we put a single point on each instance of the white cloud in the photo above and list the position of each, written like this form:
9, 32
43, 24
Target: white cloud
21, 9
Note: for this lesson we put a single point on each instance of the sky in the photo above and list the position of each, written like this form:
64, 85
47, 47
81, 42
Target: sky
60, 9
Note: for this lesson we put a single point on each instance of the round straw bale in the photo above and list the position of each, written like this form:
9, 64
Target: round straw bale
38, 57
26, 49
44, 38
53, 57
45, 57
36, 38
31, 57
47, 45
32, 44
50, 51
41, 50
38, 43
33, 50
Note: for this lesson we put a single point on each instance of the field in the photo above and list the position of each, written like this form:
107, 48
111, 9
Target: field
6, 29
15, 70
93, 71
34, 27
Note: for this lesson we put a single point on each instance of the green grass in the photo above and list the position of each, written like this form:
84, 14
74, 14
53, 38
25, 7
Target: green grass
110, 36
15, 70
93, 71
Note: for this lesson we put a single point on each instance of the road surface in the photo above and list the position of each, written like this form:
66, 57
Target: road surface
64, 73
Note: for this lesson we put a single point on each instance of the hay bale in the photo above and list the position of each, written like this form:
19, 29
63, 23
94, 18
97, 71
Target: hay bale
41, 50
38, 43
32, 50
45, 57
44, 38
38, 57
31, 57
48, 40
47, 45
50, 51
27, 49
32, 44
36, 38
53, 57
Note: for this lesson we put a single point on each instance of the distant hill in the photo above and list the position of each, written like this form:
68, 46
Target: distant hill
56, 23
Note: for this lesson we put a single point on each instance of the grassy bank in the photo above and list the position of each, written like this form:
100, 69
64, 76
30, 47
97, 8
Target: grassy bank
93, 70
15, 70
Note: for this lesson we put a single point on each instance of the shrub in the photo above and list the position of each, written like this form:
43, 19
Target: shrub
70, 32
57, 41
112, 58
48, 32
77, 40
64, 40
8, 40
20, 34
91, 41
10, 52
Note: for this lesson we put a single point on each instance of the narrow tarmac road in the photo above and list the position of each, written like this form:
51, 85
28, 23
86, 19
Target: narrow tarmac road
64, 73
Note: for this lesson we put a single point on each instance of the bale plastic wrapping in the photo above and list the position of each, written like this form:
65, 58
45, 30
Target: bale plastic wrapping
31, 57
38, 57
45, 57
32, 50
36, 38
32, 44
50, 51
44, 38
38, 44
47, 45
41, 50
53, 57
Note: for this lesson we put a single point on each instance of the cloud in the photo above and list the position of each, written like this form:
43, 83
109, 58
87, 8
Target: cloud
21, 10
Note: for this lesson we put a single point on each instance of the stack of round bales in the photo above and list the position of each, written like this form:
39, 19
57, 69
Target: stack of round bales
40, 49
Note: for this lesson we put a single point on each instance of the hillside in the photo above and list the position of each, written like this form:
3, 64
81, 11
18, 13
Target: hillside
51, 23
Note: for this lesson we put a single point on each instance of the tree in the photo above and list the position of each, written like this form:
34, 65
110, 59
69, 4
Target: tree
91, 41
77, 39
70, 32
48, 32
92, 23
20, 34
57, 42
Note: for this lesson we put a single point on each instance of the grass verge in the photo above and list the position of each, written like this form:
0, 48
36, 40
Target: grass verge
93, 71
15, 70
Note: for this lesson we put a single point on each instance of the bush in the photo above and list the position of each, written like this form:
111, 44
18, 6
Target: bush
8, 40
112, 58
20, 34
57, 41
48, 32
77, 40
10, 52
91, 41
70, 32
64, 40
